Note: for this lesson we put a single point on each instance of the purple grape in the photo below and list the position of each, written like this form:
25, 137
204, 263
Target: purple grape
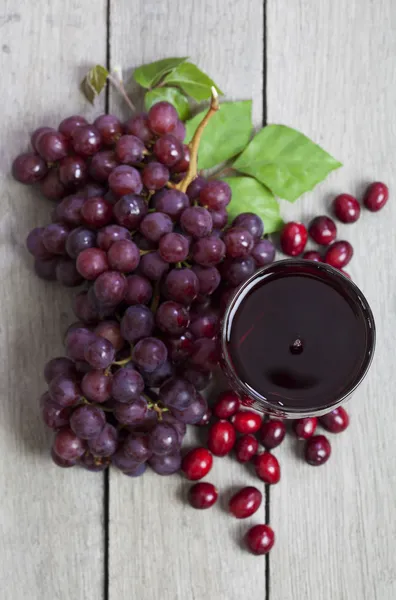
137, 471
196, 221
37, 133
263, 253
125, 180
193, 413
237, 270
111, 234
253, 223
163, 439
102, 165
29, 168
157, 377
130, 150
51, 186
182, 285
219, 218
199, 379
173, 247
64, 391
139, 290
86, 140
52, 146
46, 269
85, 308
67, 274
149, 354
180, 348
69, 210
54, 238
136, 446
99, 353
78, 240
111, 331
153, 266
171, 202
162, 118
208, 277
143, 243
123, 462
205, 355
59, 366
109, 127
177, 393
155, 176
179, 131
93, 190
238, 241
205, 325
172, 318
70, 124
165, 465
87, 421
105, 444
139, 127
195, 187
179, 426
130, 210
131, 414
137, 323
127, 385
35, 245
53, 415
61, 462
96, 386
67, 445
72, 171
155, 225
110, 288
123, 256
168, 150
215, 195
208, 251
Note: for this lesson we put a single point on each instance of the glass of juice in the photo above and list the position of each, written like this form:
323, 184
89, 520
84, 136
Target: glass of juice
297, 339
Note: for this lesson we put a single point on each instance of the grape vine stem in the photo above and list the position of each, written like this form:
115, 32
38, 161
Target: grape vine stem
118, 84
194, 144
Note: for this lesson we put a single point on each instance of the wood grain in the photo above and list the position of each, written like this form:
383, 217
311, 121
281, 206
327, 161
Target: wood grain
159, 546
331, 74
51, 542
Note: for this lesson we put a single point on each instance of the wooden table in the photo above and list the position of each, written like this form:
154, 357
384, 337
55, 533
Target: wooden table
326, 68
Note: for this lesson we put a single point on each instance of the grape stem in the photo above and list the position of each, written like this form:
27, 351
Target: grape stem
118, 84
194, 144
121, 363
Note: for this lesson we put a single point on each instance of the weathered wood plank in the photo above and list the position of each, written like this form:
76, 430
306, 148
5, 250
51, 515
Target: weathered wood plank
159, 546
331, 74
51, 541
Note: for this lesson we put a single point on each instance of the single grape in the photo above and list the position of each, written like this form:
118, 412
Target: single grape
99, 353
78, 240
93, 188
219, 218
172, 318
35, 245
137, 323
125, 180
123, 256
196, 221
194, 412
61, 365
139, 290
29, 168
96, 386
67, 274
69, 210
149, 354
137, 471
52, 146
177, 393
127, 385
208, 277
139, 127
163, 439
136, 446
157, 377
155, 225
110, 234
102, 165
70, 124
205, 355
155, 175
168, 150
173, 247
111, 331
130, 150
96, 212
238, 242
87, 421
110, 288
51, 186
130, 210
72, 171
162, 118
184, 162
215, 195
237, 270
54, 238
91, 262
54, 416
76, 341
104, 444
182, 285
46, 269
109, 127
179, 131
64, 391
195, 187
153, 266
131, 414
263, 253
171, 202
86, 140
37, 133
205, 325
67, 445
123, 462
251, 222
61, 462
165, 465
208, 251
180, 348
85, 307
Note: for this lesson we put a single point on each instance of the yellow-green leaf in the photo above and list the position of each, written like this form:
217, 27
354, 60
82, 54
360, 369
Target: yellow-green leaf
172, 95
94, 82
149, 75
192, 80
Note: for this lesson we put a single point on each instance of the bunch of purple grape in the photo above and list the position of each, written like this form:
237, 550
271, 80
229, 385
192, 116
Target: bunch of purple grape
158, 265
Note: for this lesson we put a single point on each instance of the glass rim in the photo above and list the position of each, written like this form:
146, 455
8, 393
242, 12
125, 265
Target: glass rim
254, 398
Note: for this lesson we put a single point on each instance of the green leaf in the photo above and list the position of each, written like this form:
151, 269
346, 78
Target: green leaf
94, 82
286, 161
226, 134
172, 95
192, 80
249, 195
149, 75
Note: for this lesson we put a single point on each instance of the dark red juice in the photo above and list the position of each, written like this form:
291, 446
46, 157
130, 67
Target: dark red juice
298, 337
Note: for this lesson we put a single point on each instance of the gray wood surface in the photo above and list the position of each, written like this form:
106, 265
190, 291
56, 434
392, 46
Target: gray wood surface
331, 74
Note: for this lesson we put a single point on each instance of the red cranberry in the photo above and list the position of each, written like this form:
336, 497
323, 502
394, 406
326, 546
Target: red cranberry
221, 438
246, 421
197, 463
312, 255
346, 208
244, 503
202, 495
335, 421
267, 467
205, 419
227, 405
376, 196
323, 230
246, 447
317, 450
272, 433
339, 254
305, 428
260, 539
293, 238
